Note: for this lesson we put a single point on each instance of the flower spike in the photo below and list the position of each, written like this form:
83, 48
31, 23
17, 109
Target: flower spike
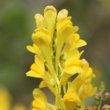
58, 62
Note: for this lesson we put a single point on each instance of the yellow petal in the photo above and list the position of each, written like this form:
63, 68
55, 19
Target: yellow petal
39, 20
84, 64
35, 67
35, 71
71, 100
86, 91
33, 74
39, 95
62, 23
72, 62
34, 49
71, 54
62, 36
39, 61
40, 100
75, 37
73, 70
81, 43
42, 84
41, 37
50, 18
75, 29
89, 73
62, 14
38, 105
69, 72
71, 96
76, 41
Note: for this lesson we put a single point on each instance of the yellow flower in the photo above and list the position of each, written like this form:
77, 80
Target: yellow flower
71, 100
35, 71
34, 49
50, 18
64, 28
37, 68
82, 84
58, 62
86, 90
40, 101
74, 98
39, 20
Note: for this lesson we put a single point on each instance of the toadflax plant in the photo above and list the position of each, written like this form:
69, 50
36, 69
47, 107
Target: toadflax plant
58, 62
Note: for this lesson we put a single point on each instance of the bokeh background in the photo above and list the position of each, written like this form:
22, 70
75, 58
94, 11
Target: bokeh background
17, 24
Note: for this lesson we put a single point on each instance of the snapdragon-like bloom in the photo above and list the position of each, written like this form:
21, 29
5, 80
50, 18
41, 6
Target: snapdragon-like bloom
58, 62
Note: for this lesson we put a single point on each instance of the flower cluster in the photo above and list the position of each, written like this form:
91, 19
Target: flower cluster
58, 62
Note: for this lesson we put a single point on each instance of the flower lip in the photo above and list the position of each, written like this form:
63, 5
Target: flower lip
50, 8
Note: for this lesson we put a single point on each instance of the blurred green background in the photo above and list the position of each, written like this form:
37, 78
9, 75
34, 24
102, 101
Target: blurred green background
17, 24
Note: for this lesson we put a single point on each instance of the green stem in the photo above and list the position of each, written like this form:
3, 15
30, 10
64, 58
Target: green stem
99, 106
100, 103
